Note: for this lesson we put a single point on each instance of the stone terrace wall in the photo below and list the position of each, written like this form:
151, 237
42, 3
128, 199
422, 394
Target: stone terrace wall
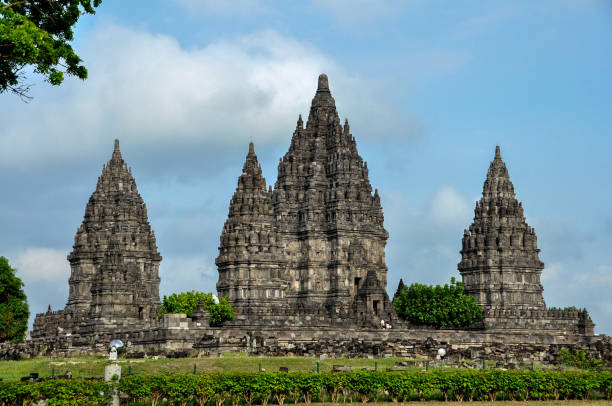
572, 322
502, 345
178, 335
52, 323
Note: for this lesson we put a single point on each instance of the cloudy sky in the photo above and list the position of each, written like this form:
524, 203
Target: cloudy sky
429, 88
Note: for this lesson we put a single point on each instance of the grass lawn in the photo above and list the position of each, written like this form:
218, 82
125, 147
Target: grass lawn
93, 366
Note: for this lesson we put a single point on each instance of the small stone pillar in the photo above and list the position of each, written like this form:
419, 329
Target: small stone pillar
112, 370
113, 354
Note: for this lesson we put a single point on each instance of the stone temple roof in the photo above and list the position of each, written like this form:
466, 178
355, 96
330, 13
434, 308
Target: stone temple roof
115, 219
314, 242
115, 207
500, 262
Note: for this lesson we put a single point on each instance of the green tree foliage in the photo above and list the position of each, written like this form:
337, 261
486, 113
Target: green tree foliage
220, 312
579, 359
37, 33
187, 302
438, 306
14, 311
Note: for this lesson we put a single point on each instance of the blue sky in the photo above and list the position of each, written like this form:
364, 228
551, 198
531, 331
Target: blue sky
429, 89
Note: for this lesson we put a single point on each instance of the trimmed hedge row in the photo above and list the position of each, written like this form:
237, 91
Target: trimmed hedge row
264, 388
58, 392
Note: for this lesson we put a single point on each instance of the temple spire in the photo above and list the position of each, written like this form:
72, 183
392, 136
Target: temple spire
323, 107
498, 182
323, 85
251, 168
400, 287
499, 258
115, 221
116, 152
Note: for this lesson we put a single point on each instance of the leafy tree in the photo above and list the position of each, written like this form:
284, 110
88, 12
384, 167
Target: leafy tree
37, 33
221, 312
579, 359
187, 302
14, 311
438, 306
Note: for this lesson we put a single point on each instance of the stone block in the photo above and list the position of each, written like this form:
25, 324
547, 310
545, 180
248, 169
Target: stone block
112, 370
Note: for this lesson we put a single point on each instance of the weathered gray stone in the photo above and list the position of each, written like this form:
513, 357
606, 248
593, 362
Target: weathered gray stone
305, 269
112, 370
114, 281
500, 264
310, 251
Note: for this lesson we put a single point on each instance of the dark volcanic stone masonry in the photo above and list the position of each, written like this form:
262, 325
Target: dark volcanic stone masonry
312, 250
304, 266
499, 259
501, 267
114, 263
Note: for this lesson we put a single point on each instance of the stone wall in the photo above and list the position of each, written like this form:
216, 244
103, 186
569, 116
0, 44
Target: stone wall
60, 322
177, 334
572, 322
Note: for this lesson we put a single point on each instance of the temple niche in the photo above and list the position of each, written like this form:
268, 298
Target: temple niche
310, 250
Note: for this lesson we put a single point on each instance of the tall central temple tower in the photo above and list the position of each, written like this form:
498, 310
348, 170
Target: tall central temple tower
313, 249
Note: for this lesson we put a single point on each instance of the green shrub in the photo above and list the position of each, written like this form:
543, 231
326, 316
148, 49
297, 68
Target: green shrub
565, 309
579, 359
438, 306
56, 392
261, 388
187, 302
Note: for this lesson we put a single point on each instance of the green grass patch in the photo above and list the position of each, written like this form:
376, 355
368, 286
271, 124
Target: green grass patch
93, 365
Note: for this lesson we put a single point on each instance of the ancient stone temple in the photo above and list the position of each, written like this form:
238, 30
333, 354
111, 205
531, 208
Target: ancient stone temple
499, 259
114, 263
304, 266
250, 257
312, 249
500, 262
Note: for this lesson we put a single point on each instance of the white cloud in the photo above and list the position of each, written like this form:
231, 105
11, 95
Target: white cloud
448, 208
45, 273
601, 276
181, 274
424, 238
42, 265
553, 272
226, 8
147, 89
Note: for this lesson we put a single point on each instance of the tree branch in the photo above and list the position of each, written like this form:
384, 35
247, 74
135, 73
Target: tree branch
22, 92
14, 4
